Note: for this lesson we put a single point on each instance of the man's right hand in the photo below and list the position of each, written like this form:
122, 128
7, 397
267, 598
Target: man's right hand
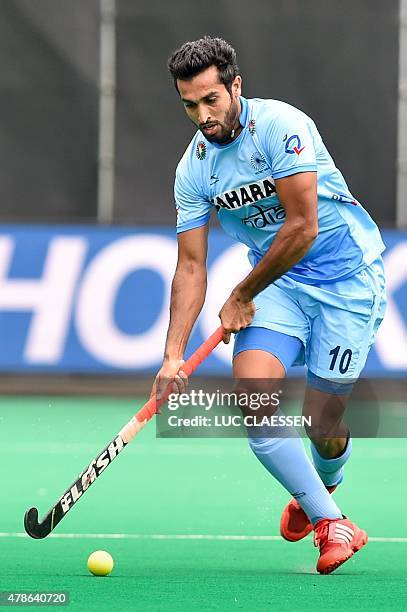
170, 373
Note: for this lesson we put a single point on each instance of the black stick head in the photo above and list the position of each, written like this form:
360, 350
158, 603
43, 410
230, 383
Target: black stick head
32, 526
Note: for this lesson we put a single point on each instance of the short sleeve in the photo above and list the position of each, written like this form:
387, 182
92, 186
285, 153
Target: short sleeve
290, 145
193, 210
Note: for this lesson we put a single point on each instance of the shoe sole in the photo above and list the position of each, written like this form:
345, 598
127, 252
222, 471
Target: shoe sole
293, 536
298, 538
360, 543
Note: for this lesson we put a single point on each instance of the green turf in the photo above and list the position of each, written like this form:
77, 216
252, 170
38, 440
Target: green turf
180, 487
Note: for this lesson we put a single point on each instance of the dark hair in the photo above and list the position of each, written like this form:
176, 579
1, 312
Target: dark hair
198, 55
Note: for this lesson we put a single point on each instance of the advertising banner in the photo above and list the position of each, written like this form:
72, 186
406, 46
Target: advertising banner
84, 299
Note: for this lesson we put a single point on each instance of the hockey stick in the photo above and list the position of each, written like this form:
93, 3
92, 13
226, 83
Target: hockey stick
41, 529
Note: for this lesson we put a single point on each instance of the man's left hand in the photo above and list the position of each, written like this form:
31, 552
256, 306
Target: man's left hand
236, 314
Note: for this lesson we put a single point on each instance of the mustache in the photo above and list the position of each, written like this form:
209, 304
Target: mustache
209, 124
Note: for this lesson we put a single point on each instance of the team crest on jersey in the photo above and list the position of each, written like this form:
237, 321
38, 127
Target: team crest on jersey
200, 150
258, 162
252, 126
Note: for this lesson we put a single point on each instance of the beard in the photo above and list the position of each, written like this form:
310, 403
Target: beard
225, 128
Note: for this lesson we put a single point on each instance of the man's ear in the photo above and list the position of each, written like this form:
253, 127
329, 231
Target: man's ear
237, 86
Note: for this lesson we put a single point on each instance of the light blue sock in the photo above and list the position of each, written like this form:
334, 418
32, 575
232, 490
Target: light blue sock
331, 470
285, 458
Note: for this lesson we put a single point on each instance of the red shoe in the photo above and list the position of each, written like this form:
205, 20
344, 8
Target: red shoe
295, 524
338, 540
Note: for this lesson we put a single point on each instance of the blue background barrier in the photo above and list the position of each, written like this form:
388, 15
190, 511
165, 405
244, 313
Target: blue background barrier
91, 300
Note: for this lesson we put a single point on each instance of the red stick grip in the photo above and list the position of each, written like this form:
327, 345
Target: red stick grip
151, 407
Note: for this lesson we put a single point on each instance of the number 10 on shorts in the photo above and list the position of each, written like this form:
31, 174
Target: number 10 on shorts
344, 360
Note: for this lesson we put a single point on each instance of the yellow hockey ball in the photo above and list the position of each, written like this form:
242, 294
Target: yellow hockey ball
100, 563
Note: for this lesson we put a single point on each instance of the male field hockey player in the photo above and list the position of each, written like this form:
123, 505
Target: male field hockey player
315, 294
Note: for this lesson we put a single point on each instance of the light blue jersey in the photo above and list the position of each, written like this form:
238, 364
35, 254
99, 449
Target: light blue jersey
237, 180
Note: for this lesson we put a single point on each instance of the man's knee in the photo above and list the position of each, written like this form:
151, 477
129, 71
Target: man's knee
256, 396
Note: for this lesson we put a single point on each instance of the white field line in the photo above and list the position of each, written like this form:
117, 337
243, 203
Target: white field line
158, 536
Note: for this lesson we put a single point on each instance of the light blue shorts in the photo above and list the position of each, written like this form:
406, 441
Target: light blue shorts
335, 322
